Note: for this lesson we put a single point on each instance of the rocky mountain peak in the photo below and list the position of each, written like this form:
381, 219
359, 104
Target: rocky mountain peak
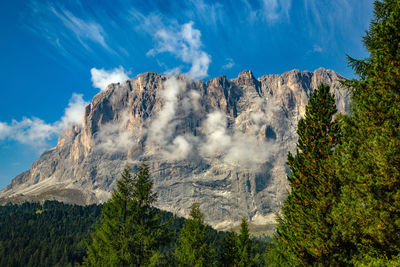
220, 81
247, 78
222, 143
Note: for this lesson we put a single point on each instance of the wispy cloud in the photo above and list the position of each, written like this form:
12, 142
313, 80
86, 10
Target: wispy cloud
211, 14
184, 42
331, 19
78, 38
36, 132
116, 136
317, 48
101, 78
229, 65
275, 9
269, 11
83, 30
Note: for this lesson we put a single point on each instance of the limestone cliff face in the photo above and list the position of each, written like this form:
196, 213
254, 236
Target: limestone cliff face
222, 143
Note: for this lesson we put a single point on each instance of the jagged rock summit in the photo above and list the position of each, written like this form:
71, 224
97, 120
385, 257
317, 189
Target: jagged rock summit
222, 143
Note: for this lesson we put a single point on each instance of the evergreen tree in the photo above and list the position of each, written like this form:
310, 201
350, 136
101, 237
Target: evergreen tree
304, 232
192, 247
229, 255
130, 231
244, 246
368, 162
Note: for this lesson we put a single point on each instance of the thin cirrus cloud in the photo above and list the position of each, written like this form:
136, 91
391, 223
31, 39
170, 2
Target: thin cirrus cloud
74, 38
83, 30
275, 9
36, 132
269, 11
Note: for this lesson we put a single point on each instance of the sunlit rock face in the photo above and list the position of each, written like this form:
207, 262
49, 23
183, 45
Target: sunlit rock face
222, 143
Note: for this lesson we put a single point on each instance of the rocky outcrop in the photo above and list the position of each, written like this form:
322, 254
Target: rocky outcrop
222, 143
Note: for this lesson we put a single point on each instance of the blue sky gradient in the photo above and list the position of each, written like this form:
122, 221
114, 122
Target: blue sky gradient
56, 55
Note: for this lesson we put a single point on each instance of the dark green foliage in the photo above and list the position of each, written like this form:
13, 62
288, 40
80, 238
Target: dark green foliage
229, 256
242, 250
368, 162
48, 234
244, 245
304, 232
193, 248
54, 233
130, 231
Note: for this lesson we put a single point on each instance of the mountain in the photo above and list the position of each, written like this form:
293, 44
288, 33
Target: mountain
222, 143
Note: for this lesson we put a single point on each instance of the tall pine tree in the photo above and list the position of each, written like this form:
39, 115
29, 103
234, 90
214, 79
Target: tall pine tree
229, 256
193, 247
304, 231
368, 162
130, 231
244, 245
238, 248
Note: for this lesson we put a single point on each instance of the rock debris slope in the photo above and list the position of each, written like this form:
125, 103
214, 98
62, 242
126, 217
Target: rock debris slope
222, 143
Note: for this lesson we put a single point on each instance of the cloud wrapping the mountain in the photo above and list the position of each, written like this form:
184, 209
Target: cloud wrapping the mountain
232, 145
229, 144
101, 78
162, 127
116, 136
217, 140
177, 103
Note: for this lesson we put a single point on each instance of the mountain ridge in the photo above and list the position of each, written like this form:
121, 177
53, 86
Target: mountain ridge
222, 143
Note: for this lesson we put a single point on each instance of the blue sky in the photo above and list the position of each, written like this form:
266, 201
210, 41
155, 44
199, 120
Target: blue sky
56, 55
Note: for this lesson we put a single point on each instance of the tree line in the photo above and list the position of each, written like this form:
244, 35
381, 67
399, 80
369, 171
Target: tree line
47, 234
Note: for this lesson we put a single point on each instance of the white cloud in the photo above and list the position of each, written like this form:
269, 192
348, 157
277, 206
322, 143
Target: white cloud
83, 30
218, 140
229, 64
116, 136
74, 37
101, 78
73, 114
247, 151
269, 11
177, 101
162, 127
184, 42
275, 9
36, 132
32, 131
233, 146
180, 148
5, 130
